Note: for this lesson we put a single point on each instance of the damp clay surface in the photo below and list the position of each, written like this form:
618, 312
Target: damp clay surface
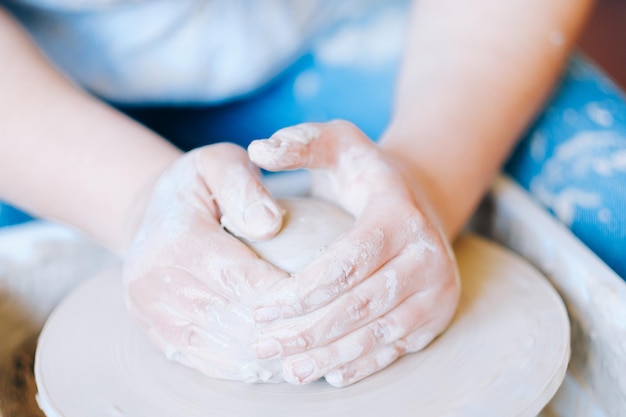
309, 225
504, 354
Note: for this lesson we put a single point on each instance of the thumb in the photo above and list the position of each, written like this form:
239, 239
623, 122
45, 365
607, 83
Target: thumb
247, 209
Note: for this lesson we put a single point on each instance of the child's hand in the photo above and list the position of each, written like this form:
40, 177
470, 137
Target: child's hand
388, 287
189, 282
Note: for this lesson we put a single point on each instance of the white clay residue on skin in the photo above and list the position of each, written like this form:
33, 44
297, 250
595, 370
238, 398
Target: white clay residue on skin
348, 355
347, 268
356, 161
386, 356
303, 134
164, 210
283, 141
419, 246
372, 247
392, 285
285, 149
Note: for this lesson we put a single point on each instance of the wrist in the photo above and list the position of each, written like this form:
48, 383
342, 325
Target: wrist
137, 206
448, 194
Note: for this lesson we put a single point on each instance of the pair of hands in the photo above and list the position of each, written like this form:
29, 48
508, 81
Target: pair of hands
387, 287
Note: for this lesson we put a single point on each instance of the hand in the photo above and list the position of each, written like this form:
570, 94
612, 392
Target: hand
386, 288
189, 282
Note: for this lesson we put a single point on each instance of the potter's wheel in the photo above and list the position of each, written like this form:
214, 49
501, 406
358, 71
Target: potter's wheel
505, 354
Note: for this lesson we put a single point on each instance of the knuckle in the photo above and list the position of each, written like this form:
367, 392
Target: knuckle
359, 307
380, 331
385, 330
422, 241
344, 279
369, 245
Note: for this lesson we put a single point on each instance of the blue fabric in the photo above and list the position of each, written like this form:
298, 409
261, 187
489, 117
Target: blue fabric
10, 215
307, 92
573, 161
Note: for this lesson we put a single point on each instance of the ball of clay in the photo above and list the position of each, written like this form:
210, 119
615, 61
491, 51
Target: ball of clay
309, 225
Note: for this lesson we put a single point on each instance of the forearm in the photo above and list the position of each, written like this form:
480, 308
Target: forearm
474, 76
66, 156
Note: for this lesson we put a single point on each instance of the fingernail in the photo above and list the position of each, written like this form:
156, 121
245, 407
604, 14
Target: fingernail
267, 348
303, 368
261, 218
341, 377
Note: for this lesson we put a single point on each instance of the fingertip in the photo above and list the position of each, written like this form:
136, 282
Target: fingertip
285, 149
336, 379
262, 219
274, 154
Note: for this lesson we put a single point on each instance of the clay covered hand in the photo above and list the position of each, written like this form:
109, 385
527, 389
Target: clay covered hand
189, 282
387, 287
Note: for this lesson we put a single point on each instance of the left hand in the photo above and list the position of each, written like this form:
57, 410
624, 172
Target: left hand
387, 287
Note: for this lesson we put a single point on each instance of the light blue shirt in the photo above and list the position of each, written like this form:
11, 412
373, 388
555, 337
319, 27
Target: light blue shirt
177, 51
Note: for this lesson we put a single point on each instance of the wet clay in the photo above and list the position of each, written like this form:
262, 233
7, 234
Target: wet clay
505, 353
309, 225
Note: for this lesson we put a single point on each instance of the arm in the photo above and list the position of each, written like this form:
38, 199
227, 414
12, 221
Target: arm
474, 76
65, 155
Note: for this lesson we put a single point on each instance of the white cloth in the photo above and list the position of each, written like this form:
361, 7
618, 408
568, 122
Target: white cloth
178, 51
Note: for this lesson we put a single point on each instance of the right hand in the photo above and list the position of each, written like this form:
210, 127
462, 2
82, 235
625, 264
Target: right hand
383, 289
188, 281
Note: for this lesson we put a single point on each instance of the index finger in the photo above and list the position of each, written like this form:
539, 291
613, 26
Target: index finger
355, 166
